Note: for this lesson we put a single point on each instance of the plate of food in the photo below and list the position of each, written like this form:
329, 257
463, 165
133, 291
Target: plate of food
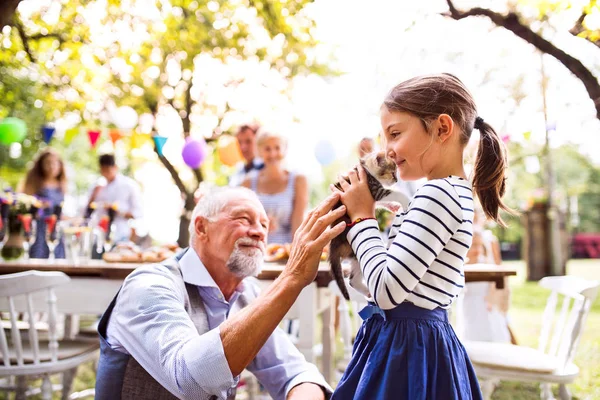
280, 253
130, 253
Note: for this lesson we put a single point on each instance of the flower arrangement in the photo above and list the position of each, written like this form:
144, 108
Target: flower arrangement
16, 212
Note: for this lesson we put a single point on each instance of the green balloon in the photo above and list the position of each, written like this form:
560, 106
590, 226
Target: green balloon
12, 130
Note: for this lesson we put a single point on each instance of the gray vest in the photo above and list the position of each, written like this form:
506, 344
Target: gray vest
120, 376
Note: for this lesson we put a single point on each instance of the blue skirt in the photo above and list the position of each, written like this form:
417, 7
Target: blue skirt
407, 353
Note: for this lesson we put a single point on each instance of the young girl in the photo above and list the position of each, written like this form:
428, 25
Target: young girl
406, 348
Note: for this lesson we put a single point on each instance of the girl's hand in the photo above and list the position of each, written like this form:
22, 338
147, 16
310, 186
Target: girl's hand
356, 195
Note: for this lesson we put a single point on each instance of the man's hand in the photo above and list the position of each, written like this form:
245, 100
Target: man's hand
311, 237
306, 391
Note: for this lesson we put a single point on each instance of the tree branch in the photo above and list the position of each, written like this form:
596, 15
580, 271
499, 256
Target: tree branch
24, 39
578, 28
511, 22
174, 174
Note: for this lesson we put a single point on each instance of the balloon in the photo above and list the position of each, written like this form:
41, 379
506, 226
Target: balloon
325, 152
159, 142
229, 151
125, 118
194, 152
93, 136
12, 130
47, 133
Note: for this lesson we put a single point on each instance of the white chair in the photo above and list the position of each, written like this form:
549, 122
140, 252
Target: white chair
552, 361
25, 356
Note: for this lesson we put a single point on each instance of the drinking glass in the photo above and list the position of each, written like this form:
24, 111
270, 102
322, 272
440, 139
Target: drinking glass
29, 232
52, 235
77, 238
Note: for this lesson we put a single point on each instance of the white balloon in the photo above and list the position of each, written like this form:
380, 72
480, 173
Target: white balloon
125, 118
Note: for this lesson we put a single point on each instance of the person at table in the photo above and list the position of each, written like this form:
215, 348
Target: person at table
118, 190
246, 138
484, 307
47, 180
283, 193
188, 327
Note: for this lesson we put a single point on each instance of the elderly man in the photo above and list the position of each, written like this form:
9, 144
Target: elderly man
188, 327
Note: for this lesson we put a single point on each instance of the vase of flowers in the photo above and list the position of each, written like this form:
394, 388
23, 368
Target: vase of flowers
18, 223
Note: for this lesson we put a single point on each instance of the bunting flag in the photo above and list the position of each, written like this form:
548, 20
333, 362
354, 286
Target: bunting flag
139, 139
115, 136
70, 134
48, 133
93, 136
159, 142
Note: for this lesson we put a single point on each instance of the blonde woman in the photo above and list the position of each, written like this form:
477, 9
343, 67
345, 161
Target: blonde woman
283, 194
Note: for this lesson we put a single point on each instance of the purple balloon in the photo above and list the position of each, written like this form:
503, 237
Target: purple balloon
194, 152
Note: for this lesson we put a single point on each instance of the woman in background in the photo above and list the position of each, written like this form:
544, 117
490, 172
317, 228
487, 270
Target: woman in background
485, 308
47, 181
283, 193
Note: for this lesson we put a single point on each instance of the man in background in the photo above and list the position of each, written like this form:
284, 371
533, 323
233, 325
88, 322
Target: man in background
120, 192
246, 137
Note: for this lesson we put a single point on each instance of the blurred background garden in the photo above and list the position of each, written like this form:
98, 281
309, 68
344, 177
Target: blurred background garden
146, 79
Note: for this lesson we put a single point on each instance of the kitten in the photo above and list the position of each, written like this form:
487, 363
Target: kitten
381, 174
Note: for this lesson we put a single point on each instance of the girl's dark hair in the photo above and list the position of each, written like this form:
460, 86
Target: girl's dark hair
429, 96
34, 181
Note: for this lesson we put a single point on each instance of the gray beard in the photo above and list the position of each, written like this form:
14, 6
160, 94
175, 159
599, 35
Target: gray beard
242, 264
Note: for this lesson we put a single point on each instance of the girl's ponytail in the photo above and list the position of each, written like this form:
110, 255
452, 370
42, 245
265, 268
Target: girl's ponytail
489, 173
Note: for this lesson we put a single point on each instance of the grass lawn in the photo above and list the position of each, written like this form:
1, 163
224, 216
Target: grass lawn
528, 301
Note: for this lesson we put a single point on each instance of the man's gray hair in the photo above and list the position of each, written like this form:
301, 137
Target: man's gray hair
213, 200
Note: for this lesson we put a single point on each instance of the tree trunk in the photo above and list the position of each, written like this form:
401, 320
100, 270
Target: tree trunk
7, 10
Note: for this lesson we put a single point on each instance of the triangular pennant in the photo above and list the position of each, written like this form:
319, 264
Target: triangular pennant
115, 135
159, 142
139, 139
48, 133
93, 136
70, 134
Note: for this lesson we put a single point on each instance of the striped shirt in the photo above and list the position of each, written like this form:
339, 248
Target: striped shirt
428, 243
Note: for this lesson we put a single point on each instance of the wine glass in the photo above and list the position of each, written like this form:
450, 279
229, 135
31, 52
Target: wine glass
29, 232
51, 235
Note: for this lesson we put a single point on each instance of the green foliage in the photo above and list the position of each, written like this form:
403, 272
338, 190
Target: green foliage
576, 177
96, 56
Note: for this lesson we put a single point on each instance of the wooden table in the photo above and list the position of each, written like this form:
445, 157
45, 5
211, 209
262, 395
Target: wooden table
119, 271
98, 281
270, 271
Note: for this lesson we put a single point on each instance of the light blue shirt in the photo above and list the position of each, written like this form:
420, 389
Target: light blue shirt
150, 323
